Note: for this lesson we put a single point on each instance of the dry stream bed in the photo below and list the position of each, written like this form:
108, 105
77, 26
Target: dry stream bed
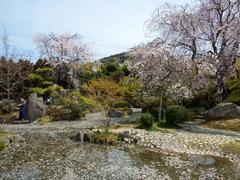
53, 155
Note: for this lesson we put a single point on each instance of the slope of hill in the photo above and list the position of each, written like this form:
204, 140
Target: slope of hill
115, 59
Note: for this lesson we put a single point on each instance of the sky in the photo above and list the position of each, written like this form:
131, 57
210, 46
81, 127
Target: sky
109, 26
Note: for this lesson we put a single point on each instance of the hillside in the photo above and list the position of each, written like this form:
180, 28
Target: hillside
115, 59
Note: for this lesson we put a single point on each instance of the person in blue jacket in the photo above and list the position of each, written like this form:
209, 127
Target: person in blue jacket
22, 109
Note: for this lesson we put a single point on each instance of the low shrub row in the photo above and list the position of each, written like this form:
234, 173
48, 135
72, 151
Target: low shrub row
174, 115
105, 138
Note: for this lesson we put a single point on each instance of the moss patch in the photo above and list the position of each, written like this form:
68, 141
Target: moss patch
105, 137
233, 147
231, 124
2, 145
45, 119
3, 135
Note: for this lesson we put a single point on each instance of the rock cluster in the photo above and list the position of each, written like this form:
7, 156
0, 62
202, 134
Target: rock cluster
86, 135
180, 141
170, 141
16, 139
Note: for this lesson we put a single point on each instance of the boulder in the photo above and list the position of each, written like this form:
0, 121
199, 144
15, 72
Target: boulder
35, 107
223, 111
115, 113
203, 161
18, 139
88, 136
79, 136
124, 134
51, 136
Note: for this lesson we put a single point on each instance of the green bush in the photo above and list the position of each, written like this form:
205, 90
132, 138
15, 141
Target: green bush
150, 103
206, 98
35, 78
38, 90
105, 138
2, 145
49, 91
147, 121
121, 104
176, 114
66, 102
91, 104
78, 109
41, 82
155, 111
110, 68
234, 88
46, 73
59, 114
44, 70
52, 91
70, 109
117, 75
47, 83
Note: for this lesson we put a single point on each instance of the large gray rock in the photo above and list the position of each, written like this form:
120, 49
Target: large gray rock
223, 111
35, 107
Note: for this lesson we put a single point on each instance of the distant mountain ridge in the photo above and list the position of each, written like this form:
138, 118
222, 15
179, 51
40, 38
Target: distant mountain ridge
119, 58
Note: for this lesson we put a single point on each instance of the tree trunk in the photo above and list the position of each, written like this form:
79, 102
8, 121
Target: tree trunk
8, 100
222, 71
219, 85
160, 108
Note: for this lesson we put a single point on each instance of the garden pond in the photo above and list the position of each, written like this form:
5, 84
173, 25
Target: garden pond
66, 159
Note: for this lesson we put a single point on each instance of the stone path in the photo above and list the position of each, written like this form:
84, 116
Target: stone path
92, 120
191, 126
195, 127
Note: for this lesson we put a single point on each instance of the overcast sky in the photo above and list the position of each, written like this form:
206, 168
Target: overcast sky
110, 26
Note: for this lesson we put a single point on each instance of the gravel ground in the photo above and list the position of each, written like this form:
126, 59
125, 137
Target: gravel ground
41, 157
48, 153
182, 142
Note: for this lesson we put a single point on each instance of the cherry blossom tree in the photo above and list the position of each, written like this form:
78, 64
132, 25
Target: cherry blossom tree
210, 29
220, 31
64, 52
157, 69
63, 48
176, 26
